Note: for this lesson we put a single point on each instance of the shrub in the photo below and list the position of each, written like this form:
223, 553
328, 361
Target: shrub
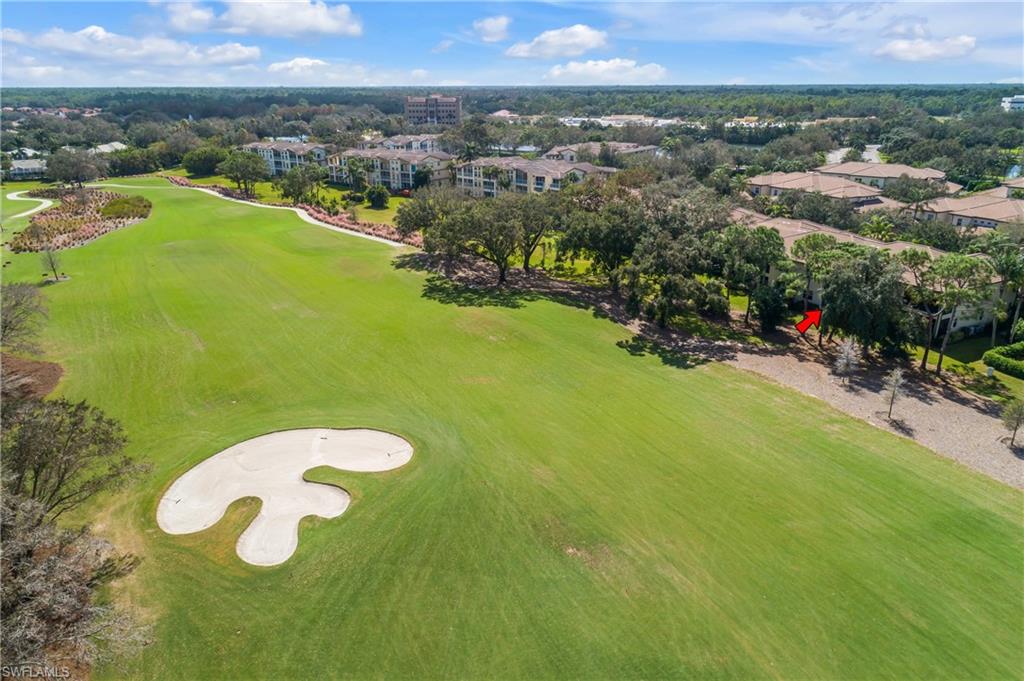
1008, 359
127, 207
355, 197
79, 218
378, 196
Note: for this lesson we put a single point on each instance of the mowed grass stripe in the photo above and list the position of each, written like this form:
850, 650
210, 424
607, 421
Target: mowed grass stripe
571, 510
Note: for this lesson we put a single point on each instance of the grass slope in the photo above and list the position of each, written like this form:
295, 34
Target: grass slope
267, 193
572, 510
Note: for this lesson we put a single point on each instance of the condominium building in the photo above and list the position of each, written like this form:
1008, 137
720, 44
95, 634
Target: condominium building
283, 156
878, 174
494, 175
863, 197
573, 152
402, 143
433, 110
394, 168
985, 209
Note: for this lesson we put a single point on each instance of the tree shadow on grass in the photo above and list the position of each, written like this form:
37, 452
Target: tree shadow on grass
639, 346
444, 290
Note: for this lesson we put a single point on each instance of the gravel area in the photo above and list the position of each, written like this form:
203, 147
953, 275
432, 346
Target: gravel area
955, 424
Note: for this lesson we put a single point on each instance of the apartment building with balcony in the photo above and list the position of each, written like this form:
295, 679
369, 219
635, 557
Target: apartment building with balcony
394, 168
283, 156
494, 175
433, 110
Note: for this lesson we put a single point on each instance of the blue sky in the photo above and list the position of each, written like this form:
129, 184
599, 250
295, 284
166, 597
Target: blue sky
310, 42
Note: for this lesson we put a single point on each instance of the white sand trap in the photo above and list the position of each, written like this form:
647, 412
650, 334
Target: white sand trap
270, 467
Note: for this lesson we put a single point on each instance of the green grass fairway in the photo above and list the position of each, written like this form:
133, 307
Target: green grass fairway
267, 193
573, 510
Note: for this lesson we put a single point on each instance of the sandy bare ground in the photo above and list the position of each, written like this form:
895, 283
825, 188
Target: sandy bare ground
934, 412
271, 467
17, 196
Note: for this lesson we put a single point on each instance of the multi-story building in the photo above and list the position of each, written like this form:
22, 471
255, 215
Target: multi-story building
283, 156
403, 143
986, 209
27, 169
394, 168
775, 184
1015, 103
433, 110
878, 174
573, 152
494, 175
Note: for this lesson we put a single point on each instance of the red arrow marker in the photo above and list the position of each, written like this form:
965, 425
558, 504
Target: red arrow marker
811, 318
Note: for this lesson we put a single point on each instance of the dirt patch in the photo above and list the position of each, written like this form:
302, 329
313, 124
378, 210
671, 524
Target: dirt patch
24, 378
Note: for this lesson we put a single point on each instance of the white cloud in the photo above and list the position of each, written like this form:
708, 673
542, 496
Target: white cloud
616, 71
29, 70
290, 19
313, 71
571, 41
857, 24
737, 80
299, 65
189, 16
94, 43
924, 49
492, 29
442, 46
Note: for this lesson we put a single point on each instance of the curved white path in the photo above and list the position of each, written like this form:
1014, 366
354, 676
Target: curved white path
17, 196
306, 217
271, 467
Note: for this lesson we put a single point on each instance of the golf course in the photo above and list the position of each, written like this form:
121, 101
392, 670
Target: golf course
576, 507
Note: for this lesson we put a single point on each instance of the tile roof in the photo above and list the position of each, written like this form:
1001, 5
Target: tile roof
300, 148
881, 170
595, 148
396, 154
829, 185
540, 166
983, 206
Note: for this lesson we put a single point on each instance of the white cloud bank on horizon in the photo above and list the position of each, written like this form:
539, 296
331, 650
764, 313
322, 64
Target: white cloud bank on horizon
617, 71
923, 49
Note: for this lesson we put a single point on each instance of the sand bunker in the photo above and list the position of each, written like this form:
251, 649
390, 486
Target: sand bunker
270, 467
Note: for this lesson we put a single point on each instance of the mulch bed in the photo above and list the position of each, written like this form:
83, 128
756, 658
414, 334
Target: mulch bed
28, 377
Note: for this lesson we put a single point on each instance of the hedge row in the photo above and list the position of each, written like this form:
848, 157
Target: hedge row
1008, 359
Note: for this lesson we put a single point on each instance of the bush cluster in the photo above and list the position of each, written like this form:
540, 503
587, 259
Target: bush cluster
1008, 359
79, 218
127, 207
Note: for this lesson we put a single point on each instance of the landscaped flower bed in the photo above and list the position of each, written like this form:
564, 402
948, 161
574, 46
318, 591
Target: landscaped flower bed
372, 228
82, 216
